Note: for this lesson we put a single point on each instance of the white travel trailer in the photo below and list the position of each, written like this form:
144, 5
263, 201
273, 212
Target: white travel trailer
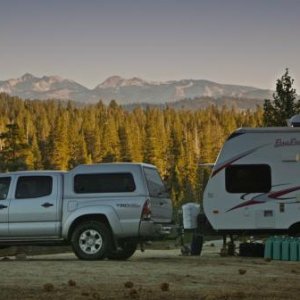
254, 186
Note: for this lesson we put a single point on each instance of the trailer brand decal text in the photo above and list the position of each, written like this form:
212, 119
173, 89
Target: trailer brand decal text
283, 143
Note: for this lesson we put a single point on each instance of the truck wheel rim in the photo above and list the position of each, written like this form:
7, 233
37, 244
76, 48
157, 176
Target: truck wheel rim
90, 241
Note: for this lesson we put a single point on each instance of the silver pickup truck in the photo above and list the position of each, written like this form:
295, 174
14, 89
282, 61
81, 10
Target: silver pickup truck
102, 210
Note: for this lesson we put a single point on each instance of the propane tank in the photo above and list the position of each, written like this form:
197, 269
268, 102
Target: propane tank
269, 248
294, 249
285, 253
277, 248
190, 212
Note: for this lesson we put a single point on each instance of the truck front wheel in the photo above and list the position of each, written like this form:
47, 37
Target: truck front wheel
91, 240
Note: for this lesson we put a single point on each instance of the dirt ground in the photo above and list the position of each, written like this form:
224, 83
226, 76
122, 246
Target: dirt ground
154, 274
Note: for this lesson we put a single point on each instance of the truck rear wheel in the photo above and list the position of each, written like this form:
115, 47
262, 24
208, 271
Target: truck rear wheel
127, 249
91, 240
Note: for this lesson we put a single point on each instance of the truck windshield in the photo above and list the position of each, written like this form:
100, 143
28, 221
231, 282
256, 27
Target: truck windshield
156, 186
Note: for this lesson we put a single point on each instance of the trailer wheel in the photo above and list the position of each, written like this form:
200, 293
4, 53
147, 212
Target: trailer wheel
91, 240
196, 244
128, 248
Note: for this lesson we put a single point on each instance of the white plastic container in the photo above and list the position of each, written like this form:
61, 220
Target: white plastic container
190, 212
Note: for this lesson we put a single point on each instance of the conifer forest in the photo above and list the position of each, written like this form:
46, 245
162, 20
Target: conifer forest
59, 135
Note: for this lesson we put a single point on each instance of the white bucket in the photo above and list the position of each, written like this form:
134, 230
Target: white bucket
190, 212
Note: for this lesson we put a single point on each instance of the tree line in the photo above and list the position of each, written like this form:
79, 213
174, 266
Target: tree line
60, 135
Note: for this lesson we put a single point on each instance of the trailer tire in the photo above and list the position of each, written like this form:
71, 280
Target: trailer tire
294, 230
196, 244
91, 240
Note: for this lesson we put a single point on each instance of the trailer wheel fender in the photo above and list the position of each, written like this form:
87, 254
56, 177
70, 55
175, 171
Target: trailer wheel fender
295, 229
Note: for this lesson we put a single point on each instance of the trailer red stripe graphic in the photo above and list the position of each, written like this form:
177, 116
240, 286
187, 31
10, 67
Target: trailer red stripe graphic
247, 203
276, 195
263, 198
227, 163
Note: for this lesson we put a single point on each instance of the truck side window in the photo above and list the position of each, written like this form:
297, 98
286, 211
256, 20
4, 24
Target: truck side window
4, 187
33, 187
104, 183
248, 178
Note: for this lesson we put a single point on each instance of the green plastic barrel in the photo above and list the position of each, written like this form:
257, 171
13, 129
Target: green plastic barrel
294, 244
285, 249
268, 252
277, 248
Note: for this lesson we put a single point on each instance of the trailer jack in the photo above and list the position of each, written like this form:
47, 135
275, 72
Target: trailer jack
228, 249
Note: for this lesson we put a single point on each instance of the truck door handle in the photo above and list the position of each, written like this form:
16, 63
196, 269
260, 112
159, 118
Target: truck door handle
3, 206
47, 204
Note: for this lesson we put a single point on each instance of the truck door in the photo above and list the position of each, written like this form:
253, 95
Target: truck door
161, 204
4, 205
34, 209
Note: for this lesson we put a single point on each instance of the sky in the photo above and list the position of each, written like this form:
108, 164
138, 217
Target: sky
227, 41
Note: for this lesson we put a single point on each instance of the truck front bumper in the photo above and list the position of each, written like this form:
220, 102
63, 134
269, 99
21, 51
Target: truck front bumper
151, 230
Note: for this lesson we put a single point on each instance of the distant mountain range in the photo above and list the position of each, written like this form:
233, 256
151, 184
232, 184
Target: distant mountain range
128, 91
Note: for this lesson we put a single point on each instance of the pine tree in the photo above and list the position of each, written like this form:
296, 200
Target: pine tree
284, 104
125, 145
155, 148
58, 146
60, 135
78, 151
110, 147
15, 150
91, 132
35, 162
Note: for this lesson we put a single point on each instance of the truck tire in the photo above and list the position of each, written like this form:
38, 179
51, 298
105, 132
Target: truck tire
91, 240
127, 250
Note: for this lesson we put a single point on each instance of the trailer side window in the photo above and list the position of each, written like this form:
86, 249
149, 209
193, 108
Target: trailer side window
248, 178
104, 183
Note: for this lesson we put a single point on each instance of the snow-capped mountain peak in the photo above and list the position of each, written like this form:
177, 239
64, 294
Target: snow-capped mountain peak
118, 81
27, 76
125, 91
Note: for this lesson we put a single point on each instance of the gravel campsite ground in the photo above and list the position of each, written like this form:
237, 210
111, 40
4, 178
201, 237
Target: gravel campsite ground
154, 274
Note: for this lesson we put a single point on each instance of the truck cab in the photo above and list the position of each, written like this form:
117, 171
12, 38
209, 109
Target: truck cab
30, 205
